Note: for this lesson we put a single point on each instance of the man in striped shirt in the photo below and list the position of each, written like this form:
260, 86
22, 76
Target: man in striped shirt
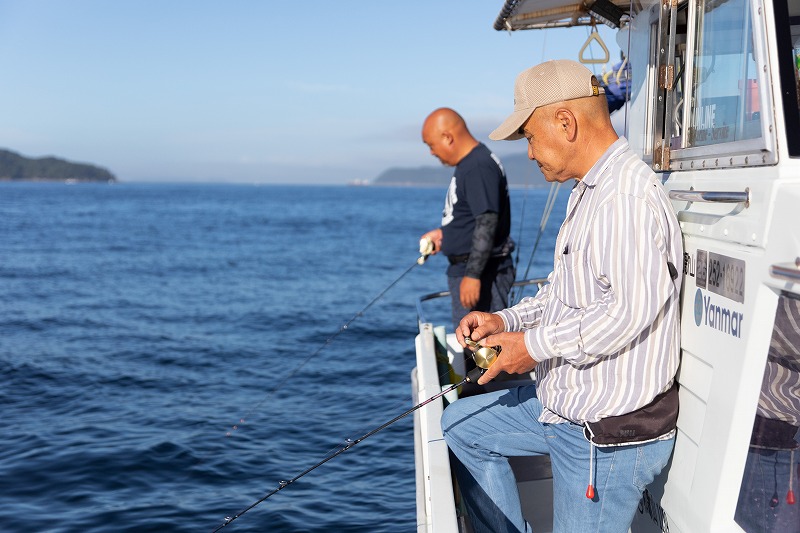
603, 335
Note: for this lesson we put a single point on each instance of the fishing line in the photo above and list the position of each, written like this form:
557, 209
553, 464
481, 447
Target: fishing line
524, 202
484, 357
552, 195
328, 341
521, 224
446, 378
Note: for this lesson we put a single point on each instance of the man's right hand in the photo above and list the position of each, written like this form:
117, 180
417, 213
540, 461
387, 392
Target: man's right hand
435, 236
478, 325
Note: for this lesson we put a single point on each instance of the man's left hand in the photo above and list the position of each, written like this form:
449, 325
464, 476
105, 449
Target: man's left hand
514, 357
470, 292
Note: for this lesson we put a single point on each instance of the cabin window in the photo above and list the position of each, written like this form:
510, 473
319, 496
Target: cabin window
725, 79
771, 480
711, 89
787, 30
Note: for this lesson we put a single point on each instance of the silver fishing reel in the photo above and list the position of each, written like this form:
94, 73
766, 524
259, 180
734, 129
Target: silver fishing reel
425, 249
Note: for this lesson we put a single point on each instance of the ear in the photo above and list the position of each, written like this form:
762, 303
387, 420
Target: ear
566, 124
447, 138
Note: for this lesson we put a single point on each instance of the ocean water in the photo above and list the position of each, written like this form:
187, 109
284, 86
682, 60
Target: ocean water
170, 353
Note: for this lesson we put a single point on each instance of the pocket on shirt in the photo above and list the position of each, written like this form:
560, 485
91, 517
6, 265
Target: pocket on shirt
574, 284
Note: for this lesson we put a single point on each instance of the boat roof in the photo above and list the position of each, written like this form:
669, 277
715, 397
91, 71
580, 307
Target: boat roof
539, 14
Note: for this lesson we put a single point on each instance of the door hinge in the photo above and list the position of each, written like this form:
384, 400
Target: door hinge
665, 76
661, 157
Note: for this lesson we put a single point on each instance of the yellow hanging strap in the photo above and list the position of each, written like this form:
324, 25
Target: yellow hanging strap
617, 75
621, 69
593, 36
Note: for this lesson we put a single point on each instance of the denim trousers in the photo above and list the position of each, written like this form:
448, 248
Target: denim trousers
762, 505
482, 431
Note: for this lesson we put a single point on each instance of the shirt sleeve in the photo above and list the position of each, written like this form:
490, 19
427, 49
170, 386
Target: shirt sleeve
626, 260
482, 242
528, 312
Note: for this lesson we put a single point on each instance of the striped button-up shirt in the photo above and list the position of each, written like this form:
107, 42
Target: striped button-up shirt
780, 388
605, 330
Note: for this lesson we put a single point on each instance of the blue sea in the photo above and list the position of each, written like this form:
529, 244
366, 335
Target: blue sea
170, 353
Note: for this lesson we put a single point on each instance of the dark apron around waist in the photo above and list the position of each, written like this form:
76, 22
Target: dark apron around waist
773, 434
647, 423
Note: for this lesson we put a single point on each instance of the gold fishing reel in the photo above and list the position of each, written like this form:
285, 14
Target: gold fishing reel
484, 356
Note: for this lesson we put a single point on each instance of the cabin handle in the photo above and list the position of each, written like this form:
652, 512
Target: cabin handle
719, 197
786, 271
593, 36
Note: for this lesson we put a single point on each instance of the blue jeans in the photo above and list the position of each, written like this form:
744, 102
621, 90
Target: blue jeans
766, 476
483, 430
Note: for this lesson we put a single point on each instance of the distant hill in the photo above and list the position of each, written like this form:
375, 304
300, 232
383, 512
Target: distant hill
15, 167
520, 172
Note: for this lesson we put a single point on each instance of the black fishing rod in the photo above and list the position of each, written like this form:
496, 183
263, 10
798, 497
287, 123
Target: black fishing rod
484, 356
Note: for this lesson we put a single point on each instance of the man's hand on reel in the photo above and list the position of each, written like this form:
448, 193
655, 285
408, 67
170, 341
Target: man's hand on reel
514, 357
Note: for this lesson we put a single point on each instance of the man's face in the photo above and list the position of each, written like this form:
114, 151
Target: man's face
438, 143
545, 144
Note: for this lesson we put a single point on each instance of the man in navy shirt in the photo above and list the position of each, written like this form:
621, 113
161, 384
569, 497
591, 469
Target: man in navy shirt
476, 220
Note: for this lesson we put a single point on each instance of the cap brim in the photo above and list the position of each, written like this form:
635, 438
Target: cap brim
509, 129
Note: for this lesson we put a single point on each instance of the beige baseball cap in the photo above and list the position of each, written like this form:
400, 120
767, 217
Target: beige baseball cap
546, 83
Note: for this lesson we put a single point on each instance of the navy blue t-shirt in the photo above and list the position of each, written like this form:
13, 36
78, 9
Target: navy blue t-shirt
478, 186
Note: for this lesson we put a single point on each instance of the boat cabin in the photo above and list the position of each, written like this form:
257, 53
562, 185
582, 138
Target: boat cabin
711, 100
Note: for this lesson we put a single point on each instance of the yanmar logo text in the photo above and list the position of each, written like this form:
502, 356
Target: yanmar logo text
707, 313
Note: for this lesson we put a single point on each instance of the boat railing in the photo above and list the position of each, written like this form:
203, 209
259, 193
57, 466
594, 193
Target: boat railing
421, 319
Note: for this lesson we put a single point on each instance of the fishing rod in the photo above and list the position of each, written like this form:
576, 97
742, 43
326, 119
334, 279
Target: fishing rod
426, 248
484, 357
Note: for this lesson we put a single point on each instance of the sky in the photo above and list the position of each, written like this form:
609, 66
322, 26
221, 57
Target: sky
306, 92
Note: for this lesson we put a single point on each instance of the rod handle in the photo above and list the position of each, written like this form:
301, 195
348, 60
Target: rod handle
474, 375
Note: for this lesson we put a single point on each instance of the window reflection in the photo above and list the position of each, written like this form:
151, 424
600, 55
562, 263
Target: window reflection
767, 501
787, 39
794, 30
725, 88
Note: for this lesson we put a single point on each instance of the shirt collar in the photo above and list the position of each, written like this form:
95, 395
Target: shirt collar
592, 177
